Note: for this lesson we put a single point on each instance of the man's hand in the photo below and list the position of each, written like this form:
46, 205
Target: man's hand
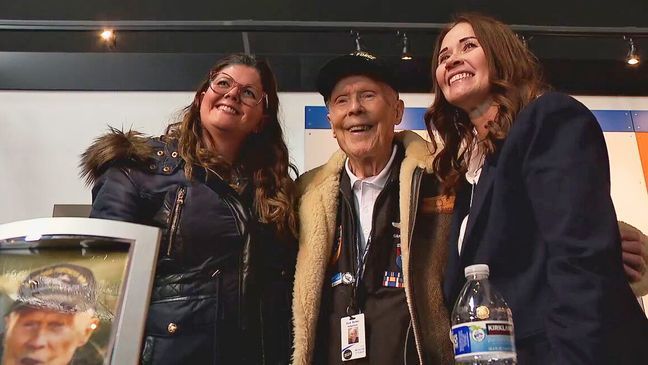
635, 252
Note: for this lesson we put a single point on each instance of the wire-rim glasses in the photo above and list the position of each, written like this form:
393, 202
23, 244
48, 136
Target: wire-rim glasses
222, 83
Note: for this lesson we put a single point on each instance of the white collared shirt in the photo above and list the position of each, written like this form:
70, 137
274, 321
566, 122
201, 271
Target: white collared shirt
365, 192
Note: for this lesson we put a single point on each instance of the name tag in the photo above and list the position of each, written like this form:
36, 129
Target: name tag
438, 204
352, 337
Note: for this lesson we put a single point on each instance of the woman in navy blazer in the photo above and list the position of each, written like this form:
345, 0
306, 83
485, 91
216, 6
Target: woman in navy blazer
531, 175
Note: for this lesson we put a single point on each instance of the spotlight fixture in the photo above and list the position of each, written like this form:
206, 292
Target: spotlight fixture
633, 56
524, 38
405, 54
109, 37
356, 36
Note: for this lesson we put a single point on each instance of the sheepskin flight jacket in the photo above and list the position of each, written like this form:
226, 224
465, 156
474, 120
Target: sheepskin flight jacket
425, 217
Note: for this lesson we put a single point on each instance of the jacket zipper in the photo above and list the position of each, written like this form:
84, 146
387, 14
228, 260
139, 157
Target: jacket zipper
243, 216
416, 184
175, 218
406, 341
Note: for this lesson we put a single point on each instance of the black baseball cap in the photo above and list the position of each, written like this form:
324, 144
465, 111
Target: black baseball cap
66, 288
356, 63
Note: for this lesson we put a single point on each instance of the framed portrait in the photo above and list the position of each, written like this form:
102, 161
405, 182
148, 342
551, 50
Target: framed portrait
74, 290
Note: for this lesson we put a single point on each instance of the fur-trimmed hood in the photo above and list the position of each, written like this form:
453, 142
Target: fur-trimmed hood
116, 145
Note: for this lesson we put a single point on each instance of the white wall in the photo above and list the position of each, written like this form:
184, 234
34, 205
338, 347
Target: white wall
44, 133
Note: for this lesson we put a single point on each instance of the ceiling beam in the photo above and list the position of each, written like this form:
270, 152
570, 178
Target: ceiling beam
294, 26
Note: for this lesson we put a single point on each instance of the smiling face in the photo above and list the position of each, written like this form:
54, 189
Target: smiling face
363, 113
462, 73
36, 336
225, 115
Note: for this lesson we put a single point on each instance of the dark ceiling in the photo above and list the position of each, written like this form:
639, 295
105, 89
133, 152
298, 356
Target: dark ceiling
176, 60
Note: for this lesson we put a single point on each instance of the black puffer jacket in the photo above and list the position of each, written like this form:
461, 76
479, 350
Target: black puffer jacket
222, 287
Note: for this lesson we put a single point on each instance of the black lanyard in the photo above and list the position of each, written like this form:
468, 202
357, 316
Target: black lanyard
361, 260
361, 263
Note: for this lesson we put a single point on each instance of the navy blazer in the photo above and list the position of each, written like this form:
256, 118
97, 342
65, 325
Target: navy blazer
543, 220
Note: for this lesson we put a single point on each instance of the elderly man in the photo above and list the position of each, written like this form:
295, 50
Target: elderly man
370, 218
52, 319
373, 232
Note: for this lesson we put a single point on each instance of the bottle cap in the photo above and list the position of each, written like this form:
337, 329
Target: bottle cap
476, 269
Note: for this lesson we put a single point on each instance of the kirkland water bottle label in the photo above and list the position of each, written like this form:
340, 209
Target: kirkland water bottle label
483, 336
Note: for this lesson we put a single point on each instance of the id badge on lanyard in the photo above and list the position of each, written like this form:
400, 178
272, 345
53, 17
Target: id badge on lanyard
352, 335
353, 341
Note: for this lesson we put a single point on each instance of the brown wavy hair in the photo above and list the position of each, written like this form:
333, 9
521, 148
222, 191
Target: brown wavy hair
263, 156
515, 79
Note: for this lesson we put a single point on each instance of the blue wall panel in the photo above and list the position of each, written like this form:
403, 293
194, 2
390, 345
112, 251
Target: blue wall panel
614, 120
610, 120
640, 120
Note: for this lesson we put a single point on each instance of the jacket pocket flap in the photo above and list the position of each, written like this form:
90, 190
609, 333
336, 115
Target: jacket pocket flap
175, 316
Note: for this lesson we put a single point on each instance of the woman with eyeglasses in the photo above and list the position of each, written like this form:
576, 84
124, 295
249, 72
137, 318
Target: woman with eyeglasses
217, 183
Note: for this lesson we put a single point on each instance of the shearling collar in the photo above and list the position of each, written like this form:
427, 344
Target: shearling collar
417, 152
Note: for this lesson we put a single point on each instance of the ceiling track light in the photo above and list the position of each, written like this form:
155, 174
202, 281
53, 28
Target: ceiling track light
406, 55
356, 36
632, 58
109, 38
524, 38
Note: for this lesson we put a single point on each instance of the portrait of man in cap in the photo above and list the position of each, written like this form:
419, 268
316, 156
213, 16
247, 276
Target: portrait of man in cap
52, 318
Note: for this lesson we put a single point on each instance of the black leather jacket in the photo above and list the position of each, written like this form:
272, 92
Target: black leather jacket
222, 279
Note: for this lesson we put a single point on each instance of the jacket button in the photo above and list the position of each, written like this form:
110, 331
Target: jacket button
152, 166
160, 153
172, 327
284, 273
166, 169
174, 154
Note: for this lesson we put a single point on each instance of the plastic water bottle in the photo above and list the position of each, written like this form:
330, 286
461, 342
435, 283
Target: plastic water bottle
482, 323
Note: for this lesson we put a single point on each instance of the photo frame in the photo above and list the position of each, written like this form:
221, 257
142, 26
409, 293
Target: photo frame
89, 277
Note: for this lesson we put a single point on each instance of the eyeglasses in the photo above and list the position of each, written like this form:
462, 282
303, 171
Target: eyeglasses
222, 83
